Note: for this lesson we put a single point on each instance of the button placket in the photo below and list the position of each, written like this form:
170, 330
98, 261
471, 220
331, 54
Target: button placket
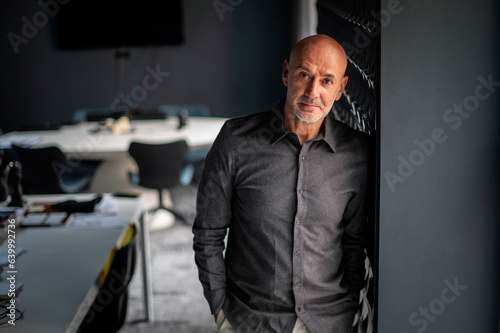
298, 255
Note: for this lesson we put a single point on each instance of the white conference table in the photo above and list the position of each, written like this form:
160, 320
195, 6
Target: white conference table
82, 142
60, 269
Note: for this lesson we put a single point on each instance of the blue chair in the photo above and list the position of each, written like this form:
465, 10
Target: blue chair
96, 114
100, 114
193, 109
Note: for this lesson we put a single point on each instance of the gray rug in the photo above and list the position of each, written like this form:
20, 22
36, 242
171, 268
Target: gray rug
178, 302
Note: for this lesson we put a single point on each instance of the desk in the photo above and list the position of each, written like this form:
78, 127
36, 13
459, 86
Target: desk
79, 142
61, 267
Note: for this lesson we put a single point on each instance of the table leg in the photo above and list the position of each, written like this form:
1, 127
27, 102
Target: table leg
146, 270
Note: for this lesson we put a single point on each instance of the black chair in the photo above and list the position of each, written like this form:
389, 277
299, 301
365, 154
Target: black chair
196, 156
109, 310
160, 168
46, 171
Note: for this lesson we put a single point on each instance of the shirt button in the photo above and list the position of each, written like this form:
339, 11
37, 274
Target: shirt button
298, 284
299, 309
301, 191
299, 222
297, 253
303, 158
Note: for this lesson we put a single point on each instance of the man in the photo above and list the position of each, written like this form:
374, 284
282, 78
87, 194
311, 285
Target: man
289, 184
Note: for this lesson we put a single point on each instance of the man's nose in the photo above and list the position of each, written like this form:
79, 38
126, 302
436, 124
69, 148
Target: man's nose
312, 89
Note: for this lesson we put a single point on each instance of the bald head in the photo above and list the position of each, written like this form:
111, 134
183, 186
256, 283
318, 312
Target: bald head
321, 45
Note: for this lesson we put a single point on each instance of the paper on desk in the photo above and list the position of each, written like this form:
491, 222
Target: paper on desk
107, 205
98, 221
105, 216
21, 140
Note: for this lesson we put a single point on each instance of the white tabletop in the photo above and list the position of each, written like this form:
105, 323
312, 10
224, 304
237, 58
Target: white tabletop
60, 269
81, 141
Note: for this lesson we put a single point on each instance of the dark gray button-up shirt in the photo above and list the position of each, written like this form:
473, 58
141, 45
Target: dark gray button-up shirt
296, 225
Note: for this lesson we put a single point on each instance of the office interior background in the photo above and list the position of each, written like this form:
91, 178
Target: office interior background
231, 62
437, 232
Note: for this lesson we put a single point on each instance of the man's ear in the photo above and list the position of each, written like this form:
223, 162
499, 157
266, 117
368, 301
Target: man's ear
343, 83
284, 73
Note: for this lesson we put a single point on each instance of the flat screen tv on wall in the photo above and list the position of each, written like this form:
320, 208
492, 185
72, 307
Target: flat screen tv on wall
93, 24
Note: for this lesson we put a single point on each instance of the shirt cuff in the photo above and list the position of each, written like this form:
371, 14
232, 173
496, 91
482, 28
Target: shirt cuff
216, 299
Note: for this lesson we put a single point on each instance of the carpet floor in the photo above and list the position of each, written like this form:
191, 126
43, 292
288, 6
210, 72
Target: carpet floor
178, 302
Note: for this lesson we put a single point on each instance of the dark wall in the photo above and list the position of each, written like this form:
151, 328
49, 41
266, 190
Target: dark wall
232, 62
439, 186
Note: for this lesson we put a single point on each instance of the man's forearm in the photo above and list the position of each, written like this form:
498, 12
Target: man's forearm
208, 247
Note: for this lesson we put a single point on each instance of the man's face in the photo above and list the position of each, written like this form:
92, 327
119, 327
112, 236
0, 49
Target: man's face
315, 80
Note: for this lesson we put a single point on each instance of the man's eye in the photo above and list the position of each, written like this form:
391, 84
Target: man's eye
328, 81
304, 75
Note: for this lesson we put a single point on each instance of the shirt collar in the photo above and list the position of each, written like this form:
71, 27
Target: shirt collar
326, 134
329, 131
276, 125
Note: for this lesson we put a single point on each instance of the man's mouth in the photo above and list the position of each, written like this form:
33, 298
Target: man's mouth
309, 105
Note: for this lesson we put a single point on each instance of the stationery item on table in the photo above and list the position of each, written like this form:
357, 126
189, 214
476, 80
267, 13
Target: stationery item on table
73, 206
44, 219
100, 212
105, 215
43, 214
183, 117
15, 186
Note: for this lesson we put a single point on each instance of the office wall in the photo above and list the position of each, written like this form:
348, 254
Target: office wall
440, 92
231, 60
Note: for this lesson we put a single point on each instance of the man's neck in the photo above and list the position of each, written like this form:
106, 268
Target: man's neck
304, 130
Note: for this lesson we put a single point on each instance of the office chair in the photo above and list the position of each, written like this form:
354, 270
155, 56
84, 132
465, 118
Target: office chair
196, 156
109, 310
160, 167
46, 171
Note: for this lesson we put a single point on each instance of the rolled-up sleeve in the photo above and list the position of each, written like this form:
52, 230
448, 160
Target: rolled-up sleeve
213, 205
